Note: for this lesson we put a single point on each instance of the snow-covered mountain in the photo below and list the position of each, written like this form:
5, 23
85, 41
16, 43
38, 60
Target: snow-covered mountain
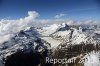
42, 41
83, 36
74, 34
26, 42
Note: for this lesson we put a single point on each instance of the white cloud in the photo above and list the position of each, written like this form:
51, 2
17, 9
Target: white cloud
8, 27
59, 15
69, 22
31, 16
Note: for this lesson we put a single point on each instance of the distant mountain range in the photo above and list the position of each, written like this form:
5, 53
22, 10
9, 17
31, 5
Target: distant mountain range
33, 45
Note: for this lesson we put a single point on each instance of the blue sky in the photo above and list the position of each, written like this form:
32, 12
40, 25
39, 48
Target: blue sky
48, 9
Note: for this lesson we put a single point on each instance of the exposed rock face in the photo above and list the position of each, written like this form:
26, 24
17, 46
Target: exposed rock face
31, 47
79, 41
24, 49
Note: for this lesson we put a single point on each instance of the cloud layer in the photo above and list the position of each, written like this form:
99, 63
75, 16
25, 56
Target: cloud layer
8, 27
12, 26
59, 15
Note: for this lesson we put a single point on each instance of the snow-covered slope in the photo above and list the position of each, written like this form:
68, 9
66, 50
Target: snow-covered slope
74, 35
92, 59
24, 41
50, 37
47, 31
